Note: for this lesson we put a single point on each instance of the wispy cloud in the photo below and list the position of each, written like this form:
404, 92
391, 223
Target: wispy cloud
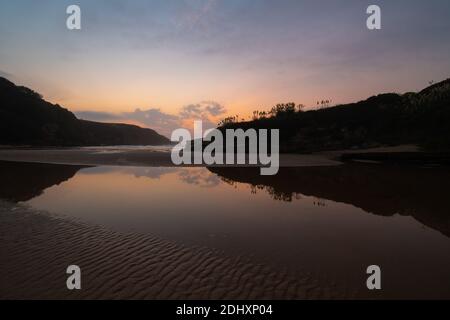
207, 111
204, 109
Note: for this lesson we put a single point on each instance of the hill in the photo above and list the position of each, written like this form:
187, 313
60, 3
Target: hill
421, 118
27, 119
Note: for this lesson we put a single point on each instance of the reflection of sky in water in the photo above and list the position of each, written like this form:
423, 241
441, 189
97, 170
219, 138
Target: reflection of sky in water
118, 149
196, 206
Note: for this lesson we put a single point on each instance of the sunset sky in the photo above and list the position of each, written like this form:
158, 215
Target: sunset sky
161, 63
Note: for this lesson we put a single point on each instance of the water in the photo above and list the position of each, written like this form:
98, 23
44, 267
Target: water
124, 148
331, 222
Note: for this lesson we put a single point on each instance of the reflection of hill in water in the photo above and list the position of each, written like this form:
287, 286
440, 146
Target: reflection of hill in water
24, 181
383, 190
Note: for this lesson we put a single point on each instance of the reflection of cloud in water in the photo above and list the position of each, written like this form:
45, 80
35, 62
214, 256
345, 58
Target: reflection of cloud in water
138, 172
199, 177
150, 172
98, 170
194, 176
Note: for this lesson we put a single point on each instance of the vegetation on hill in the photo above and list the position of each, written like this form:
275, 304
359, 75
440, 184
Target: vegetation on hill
27, 119
421, 118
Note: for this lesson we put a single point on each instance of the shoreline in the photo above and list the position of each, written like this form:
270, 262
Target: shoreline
137, 157
156, 156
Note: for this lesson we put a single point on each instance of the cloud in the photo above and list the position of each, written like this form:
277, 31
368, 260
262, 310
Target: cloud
96, 116
215, 109
191, 110
207, 111
163, 123
202, 110
152, 117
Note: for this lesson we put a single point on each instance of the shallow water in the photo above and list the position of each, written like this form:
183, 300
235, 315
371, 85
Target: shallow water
328, 222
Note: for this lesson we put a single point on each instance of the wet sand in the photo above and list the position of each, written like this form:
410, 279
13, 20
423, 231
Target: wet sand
36, 248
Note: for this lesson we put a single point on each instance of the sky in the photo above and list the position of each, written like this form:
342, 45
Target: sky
163, 63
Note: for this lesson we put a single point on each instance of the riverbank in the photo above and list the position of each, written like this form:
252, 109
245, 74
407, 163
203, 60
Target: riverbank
110, 156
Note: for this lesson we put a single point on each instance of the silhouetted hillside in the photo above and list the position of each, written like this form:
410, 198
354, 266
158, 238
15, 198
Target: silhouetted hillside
387, 119
27, 119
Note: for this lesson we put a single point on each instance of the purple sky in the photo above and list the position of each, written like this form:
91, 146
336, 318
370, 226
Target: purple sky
149, 62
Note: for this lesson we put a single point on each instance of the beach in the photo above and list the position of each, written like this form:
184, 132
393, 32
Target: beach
141, 228
36, 249
38, 246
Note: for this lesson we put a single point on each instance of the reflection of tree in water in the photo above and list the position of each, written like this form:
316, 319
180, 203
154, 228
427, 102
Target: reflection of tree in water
319, 203
273, 192
383, 190
199, 177
279, 195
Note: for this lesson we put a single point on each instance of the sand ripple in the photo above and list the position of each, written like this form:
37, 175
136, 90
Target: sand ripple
36, 248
